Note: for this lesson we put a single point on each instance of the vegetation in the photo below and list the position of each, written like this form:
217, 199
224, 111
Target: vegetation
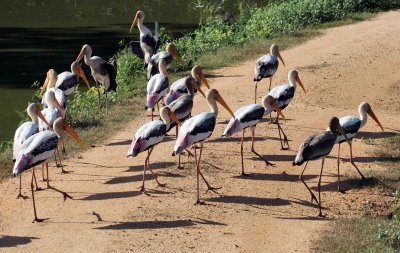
368, 234
214, 44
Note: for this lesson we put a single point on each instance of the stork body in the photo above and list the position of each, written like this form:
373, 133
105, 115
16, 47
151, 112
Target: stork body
169, 55
157, 87
68, 81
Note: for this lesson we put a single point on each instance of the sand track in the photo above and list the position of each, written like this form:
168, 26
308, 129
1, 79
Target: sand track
267, 212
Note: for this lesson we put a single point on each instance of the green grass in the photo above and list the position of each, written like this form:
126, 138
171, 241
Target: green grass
367, 234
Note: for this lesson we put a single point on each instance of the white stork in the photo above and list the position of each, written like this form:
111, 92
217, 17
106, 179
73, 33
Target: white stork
67, 81
37, 149
283, 95
157, 87
169, 55
178, 88
266, 66
148, 43
197, 129
351, 126
102, 72
148, 136
248, 117
25, 131
318, 146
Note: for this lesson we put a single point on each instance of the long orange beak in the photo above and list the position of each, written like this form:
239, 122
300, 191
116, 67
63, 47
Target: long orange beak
40, 115
204, 80
220, 100
278, 110
73, 134
81, 55
46, 82
134, 23
174, 118
194, 85
163, 68
82, 75
373, 116
280, 58
301, 84
59, 106
176, 55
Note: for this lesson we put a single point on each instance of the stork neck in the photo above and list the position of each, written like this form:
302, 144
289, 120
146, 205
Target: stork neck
87, 57
213, 105
265, 103
165, 118
292, 82
363, 116
33, 117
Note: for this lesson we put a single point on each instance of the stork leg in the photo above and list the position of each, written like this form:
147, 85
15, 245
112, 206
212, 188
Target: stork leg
338, 171
20, 191
98, 95
355, 166
62, 167
142, 188
270, 83
254, 151
34, 177
319, 189
308, 188
106, 104
198, 202
34, 206
176, 131
255, 93
209, 187
152, 114
285, 139
241, 154
65, 195
149, 168
43, 173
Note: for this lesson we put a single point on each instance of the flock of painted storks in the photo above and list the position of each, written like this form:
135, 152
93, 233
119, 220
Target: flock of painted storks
36, 141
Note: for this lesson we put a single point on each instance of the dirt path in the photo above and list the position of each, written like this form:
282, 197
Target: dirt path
267, 212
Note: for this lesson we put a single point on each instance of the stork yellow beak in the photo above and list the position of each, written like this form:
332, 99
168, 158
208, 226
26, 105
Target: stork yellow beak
301, 84
280, 58
59, 106
81, 54
373, 116
82, 75
73, 134
204, 80
46, 82
134, 23
220, 100
197, 87
40, 115
174, 118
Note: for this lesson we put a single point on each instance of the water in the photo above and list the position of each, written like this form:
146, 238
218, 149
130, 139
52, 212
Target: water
40, 34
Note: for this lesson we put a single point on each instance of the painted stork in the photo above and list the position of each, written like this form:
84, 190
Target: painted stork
157, 87
38, 149
169, 55
266, 66
148, 136
67, 81
351, 126
102, 72
50, 85
248, 117
178, 88
318, 146
182, 107
25, 131
283, 95
148, 43
197, 129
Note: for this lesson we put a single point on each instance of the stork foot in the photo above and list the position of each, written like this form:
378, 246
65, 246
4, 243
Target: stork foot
244, 174
39, 220
22, 196
64, 171
38, 189
321, 215
213, 189
199, 203
161, 185
340, 190
66, 195
143, 190
314, 198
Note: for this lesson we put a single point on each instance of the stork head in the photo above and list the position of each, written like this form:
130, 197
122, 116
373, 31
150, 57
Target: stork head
139, 16
294, 78
77, 70
197, 73
274, 50
270, 105
86, 50
172, 50
366, 107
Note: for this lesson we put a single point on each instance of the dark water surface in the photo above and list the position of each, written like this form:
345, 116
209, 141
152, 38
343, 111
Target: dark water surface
40, 34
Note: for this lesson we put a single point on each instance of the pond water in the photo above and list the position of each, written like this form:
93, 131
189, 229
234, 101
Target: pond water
37, 35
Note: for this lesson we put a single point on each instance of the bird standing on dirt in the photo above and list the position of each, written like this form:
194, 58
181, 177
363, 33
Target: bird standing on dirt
148, 43
148, 136
318, 146
351, 126
178, 88
197, 129
38, 148
102, 72
266, 66
283, 95
248, 117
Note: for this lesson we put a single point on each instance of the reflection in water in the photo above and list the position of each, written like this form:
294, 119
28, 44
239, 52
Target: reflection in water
42, 34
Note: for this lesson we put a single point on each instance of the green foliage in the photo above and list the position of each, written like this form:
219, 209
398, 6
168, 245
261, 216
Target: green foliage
390, 233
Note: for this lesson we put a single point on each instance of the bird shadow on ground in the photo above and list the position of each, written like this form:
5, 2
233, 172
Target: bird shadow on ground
159, 224
250, 200
122, 143
306, 218
375, 135
275, 177
13, 241
276, 158
218, 76
98, 165
348, 184
111, 195
137, 178
159, 165
236, 139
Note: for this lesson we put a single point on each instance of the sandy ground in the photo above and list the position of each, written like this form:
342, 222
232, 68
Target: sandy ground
267, 212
